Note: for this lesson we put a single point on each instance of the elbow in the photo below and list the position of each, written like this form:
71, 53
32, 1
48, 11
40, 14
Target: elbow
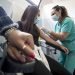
62, 38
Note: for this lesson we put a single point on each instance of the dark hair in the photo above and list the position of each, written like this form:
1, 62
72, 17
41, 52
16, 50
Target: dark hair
27, 21
64, 12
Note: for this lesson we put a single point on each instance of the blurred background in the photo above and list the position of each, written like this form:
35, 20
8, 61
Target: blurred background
15, 9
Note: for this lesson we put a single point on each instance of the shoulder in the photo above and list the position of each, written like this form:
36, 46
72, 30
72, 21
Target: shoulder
68, 20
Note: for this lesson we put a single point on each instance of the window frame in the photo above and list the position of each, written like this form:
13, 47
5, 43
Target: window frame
32, 3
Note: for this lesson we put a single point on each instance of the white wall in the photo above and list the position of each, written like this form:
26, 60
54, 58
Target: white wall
7, 6
14, 8
18, 8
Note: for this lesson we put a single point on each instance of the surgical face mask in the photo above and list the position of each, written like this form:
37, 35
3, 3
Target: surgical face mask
55, 17
38, 21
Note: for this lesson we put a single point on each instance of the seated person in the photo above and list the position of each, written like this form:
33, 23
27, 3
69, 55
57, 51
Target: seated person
23, 41
18, 40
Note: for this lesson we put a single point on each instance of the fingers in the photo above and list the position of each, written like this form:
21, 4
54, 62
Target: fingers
16, 36
28, 51
10, 52
29, 59
25, 48
15, 54
66, 51
22, 41
29, 40
24, 38
18, 55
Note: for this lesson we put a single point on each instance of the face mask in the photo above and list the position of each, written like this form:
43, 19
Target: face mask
55, 17
37, 21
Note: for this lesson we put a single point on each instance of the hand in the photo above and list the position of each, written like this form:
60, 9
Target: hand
64, 49
22, 41
18, 55
15, 54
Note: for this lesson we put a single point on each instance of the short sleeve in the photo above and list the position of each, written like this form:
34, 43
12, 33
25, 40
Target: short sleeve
67, 26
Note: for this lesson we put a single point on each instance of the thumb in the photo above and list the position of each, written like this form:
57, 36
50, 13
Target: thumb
29, 40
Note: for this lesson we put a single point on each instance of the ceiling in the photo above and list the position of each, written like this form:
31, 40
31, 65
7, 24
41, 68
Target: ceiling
44, 2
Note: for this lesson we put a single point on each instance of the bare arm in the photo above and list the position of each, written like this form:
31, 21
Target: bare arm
61, 35
50, 40
56, 36
48, 33
47, 38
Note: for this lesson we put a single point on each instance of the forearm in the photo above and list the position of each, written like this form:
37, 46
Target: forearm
56, 35
48, 39
53, 38
48, 32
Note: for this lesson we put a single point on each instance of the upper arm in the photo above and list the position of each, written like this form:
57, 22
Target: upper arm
42, 34
66, 30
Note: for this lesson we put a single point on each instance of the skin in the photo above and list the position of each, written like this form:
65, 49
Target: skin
20, 41
52, 38
24, 42
61, 35
48, 39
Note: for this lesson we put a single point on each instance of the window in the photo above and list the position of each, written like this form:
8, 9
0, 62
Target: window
34, 2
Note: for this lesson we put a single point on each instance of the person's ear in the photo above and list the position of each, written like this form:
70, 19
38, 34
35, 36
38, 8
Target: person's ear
60, 12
